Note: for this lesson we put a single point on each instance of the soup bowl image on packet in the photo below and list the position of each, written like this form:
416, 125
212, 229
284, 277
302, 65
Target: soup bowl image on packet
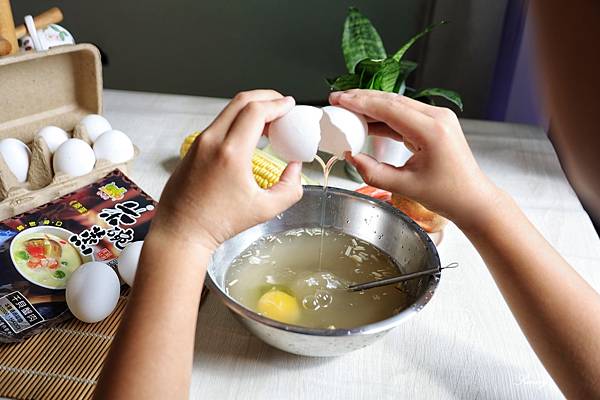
44, 256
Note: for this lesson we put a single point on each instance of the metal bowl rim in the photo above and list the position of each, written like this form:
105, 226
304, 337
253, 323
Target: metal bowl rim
372, 328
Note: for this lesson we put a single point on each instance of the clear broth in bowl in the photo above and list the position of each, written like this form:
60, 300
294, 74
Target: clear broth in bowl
279, 277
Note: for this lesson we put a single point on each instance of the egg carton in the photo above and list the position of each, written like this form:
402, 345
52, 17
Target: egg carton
56, 87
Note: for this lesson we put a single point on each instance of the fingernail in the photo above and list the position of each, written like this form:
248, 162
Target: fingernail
334, 96
349, 158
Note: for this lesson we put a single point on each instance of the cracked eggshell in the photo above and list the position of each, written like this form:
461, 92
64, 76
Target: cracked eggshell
17, 156
53, 136
95, 125
296, 135
74, 158
341, 131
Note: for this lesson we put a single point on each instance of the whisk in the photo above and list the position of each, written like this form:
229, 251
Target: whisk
400, 278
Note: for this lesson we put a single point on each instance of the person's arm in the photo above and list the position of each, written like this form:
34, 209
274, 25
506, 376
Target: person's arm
556, 309
209, 198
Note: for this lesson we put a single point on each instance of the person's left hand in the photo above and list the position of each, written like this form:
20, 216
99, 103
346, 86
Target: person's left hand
212, 195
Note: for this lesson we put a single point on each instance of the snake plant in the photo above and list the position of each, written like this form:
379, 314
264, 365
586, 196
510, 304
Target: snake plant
370, 67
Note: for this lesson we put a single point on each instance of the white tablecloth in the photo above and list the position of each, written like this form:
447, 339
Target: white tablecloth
464, 344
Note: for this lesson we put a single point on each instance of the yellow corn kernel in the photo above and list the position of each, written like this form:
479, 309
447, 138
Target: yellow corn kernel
187, 143
266, 168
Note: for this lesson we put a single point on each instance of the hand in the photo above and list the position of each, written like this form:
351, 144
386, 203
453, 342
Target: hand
442, 174
212, 195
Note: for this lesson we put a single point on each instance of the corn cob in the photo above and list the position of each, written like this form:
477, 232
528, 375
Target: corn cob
266, 168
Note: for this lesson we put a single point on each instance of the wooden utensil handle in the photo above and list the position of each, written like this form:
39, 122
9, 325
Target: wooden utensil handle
5, 47
51, 16
7, 26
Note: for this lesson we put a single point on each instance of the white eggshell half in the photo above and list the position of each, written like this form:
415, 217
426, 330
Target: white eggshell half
53, 136
341, 131
74, 158
92, 291
128, 261
17, 156
114, 146
390, 151
95, 125
296, 135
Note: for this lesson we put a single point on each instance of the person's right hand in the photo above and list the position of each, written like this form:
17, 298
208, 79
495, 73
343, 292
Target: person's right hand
212, 195
442, 174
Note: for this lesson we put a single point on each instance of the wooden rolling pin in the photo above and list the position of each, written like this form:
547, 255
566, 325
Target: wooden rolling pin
7, 30
51, 16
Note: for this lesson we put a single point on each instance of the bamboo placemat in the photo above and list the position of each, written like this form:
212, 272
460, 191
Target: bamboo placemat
63, 362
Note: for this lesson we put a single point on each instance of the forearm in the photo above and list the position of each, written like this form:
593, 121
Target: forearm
556, 309
152, 354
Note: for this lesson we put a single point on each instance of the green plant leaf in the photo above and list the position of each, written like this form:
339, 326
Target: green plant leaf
449, 95
406, 68
22, 255
400, 53
374, 83
367, 69
389, 75
344, 82
368, 66
360, 40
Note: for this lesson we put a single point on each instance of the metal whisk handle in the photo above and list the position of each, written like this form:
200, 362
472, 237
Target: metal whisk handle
397, 279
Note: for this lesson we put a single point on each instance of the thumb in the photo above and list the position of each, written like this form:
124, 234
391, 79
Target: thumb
380, 175
287, 191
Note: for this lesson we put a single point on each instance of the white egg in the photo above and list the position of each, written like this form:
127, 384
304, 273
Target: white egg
17, 156
95, 125
341, 131
53, 136
74, 158
92, 291
128, 261
296, 135
114, 146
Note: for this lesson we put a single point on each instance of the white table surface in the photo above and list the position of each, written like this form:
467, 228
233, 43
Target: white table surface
464, 344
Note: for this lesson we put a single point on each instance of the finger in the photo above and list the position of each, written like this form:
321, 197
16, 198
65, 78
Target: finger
440, 113
383, 130
427, 109
226, 117
248, 126
380, 175
414, 125
287, 191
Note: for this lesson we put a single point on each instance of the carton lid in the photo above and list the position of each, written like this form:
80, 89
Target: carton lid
56, 87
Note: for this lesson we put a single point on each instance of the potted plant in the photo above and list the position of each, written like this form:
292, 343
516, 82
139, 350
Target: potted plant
371, 67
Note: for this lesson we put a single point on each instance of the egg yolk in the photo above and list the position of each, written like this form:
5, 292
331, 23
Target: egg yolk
279, 306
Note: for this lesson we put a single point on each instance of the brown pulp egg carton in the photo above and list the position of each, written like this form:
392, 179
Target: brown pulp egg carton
56, 87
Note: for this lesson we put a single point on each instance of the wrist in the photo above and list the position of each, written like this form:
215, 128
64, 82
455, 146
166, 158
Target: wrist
485, 207
181, 239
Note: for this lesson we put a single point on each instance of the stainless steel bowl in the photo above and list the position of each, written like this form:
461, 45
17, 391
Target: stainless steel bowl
371, 220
